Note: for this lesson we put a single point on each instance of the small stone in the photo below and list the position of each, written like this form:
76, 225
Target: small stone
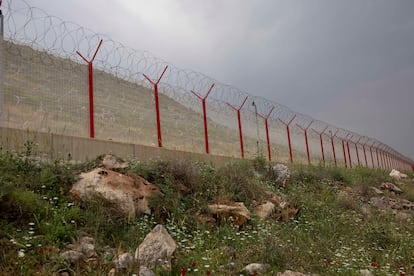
390, 187
145, 271
72, 256
124, 261
229, 251
264, 210
256, 268
157, 245
235, 212
111, 162
401, 215
88, 250
281, 174
377, 191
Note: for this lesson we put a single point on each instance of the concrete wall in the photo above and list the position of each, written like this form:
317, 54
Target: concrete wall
56, 146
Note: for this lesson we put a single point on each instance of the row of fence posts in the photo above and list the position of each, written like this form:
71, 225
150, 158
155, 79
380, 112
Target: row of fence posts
385, 160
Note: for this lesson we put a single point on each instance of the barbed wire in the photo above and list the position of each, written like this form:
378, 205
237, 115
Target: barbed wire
32, 27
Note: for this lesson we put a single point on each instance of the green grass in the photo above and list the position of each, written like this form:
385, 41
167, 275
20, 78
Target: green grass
331, 235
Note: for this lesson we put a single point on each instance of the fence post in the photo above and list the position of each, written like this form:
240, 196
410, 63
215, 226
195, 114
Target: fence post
321, 140
157, 104
267, 131
387, 157
90, 76
257, 129
203, 102
372, 156
376, 151
364, 150
239, 123
305, 131
384, 166
356, 150
349, 152
288, 136
333, 146
343, 149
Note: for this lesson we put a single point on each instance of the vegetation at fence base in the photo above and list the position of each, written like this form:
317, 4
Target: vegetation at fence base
336, 232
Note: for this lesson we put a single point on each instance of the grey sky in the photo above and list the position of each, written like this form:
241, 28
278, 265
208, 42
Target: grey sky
349, 63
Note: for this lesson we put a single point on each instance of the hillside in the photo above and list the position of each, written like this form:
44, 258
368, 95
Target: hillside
348, 222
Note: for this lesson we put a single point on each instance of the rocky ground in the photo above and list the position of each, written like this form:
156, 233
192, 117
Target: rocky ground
278, 204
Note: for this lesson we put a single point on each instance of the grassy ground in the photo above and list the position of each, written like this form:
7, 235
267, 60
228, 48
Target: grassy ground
337, 231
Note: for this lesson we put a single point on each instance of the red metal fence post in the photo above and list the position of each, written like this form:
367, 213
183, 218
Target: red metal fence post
364, 149
356, 150
376, 151
157, 105
321, 140
239, 123
365, 155
343, 149
393, 160
90, 78
267, 131
288, 136
387, 165
349, 152
386, 157
333, 146
372, 156
382, 158
203, 102
305, 131
389, 160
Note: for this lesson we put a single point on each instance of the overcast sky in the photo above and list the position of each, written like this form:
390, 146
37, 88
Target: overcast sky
347, 62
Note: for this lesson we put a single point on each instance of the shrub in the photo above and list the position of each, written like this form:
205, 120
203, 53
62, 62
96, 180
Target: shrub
23, 206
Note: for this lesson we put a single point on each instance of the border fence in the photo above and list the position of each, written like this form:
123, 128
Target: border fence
58, 77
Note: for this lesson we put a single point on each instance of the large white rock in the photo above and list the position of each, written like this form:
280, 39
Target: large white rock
397, 175
130, 193
157, 249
